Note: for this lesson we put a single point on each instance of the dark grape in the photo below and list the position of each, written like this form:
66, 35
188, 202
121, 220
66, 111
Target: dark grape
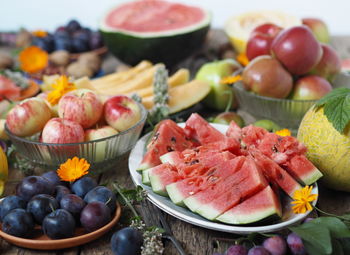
40, 206
59, 224
102, 194
73, 25
258, 250
18, 222
96, 40
83, 35
52, 177
63, 43
308, 219
61, 32
61, 191
295, 244
79, 45
236, 250
82, 186
127, 241
276, 245
94, 216
33, 185
9, 203
41, 43
73, 204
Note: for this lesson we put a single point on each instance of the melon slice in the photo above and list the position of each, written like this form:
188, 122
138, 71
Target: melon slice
249, 171
274, 173
180, 190
183, 96
145, 177
303, 170
167, 137
236, 188
162, 175
262, 206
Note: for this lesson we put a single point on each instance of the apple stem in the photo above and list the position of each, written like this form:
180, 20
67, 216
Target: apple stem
230, 98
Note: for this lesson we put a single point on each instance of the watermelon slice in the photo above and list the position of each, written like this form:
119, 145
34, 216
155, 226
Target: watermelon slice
162, 175
234, 131
236, 188
248, 171
274, 173
167, 137
263, 205
199, 129
9, 89
303, 170
180, 190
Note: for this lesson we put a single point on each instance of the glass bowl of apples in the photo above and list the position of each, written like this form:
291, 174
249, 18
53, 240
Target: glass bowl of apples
287, 113
55, 139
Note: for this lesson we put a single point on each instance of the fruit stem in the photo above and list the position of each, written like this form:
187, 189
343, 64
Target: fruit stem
127, 201
230, 98
331, 214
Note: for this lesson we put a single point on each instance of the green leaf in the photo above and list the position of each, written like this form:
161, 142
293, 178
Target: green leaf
345, 243
336, 227
317, 238
337, 248
337, 108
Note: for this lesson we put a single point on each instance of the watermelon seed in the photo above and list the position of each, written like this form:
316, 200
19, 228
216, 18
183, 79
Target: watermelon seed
173, 139
196, 161
169, 148
274, 148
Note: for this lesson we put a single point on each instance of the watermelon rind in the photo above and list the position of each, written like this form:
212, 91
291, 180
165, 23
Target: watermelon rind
168, 47
175, 195
157, 185
312, 177
145, 177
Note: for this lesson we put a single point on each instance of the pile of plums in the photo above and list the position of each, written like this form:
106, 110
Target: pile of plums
59, 207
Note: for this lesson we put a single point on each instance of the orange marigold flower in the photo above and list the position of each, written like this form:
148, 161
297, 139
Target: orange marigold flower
73, 169
242, 59
33, 59
283, 132
61, 86
230, 79
302, 200
39, 33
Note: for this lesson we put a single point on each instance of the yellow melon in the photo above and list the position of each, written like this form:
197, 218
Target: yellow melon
328, 149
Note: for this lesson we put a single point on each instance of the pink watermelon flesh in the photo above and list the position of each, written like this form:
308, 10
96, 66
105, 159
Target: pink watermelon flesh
182, 189
249, 174
274, 173
263, 205
251, 135
302, 170
162, 175
234, 131
199, 129
234, 190
168, 137
155, 16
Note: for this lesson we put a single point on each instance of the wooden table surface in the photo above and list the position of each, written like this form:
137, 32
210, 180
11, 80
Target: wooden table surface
195, 240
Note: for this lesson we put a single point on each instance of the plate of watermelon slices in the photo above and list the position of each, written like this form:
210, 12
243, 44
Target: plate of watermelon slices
207, 185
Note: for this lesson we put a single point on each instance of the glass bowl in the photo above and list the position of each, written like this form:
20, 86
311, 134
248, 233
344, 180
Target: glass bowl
287, 113
101, 154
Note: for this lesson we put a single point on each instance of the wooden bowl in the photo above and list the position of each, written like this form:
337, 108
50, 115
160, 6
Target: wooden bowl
30, 91
39, 241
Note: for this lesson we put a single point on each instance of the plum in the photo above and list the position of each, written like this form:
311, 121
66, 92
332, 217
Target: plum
237, 250
94, 216
295, 244
102, 194
276, 245
83, 185
33, 185
72, 203
59, 224
9, 203
40, 206
258, 250
18, 222
127, 241
60, 191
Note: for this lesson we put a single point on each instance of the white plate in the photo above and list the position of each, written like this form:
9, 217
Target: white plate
165, 204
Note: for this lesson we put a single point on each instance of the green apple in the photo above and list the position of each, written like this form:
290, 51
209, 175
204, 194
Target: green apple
269, 125
218, 97
227, 117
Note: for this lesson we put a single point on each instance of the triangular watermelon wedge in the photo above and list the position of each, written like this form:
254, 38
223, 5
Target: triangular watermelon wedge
162, 175
167, 137
264, 205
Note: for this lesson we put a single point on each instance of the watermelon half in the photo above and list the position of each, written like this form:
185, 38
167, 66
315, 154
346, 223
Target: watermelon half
154, 30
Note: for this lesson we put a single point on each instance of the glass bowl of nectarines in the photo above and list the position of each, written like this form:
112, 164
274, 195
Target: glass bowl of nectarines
57, 139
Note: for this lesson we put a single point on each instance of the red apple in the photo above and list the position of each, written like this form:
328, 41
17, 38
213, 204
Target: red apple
329, 65
28, 117
310, 87
101, 146
227, 117
82, 106
297, 49
121, 112
318, 28
261, 39
59, 130
54, 108
267, 77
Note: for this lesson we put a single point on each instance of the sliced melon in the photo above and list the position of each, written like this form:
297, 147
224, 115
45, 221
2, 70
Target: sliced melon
145, 177
263, 205
182, 76
183, 96
162, 175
